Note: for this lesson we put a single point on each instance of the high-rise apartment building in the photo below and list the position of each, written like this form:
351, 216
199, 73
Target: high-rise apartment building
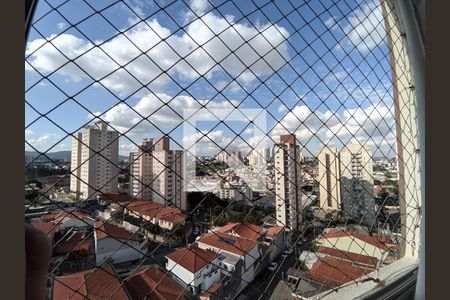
288, 193
141, 170
156, 173
95, 156
329, 179
357, 184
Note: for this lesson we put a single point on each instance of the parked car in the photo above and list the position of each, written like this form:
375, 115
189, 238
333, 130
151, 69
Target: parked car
272, 267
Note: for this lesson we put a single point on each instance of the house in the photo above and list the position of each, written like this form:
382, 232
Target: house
98, 283
243, 249
168, 221
116, 244
69, 219
334, 272
155, 284
244, 230
194, 268
276, 239
71, 241
350, 243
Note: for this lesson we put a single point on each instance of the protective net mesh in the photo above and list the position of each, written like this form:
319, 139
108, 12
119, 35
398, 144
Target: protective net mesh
210, 149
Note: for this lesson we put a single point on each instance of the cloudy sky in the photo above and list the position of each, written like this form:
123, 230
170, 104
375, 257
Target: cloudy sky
317, 69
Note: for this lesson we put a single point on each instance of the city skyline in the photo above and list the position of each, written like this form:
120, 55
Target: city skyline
343, 104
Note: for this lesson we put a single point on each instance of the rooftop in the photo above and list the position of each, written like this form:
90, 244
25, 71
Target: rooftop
97, 284
155, 284
105, 230
245, 230
228, 242
192, 258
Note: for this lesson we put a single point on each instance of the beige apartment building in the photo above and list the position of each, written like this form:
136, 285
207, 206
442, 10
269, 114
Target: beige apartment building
329, 179
357, 184
156, 173
95, 157
141, 170
288, 193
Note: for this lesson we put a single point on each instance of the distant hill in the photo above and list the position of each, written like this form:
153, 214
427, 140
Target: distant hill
59, 155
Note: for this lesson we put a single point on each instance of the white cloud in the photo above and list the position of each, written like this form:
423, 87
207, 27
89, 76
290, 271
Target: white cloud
28, 132
152, 107
61, 25
248, 43
365, 29
249, 130
330, 22
374, 124
199, 6
43, 142
282, 108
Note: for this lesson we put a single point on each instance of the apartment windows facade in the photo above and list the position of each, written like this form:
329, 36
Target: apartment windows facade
357, 184
156, 173
329, 179
95, 156
288, 182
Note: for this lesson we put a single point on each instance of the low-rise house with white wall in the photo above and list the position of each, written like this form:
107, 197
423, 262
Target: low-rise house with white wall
116, 244
243, 249
194, 269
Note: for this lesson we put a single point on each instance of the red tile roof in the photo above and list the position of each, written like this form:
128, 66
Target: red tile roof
105, 230
192, 258
357, 258
228, 242
372, 240
275, 230
334, 272
59, 216
116, 197
174, 218
77, 242
245, 230
96, 284
155, 284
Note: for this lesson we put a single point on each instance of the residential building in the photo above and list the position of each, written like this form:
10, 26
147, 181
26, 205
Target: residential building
115, 244
157, 173
236, 191
98, 283
195, 269
357, 184
288, 182
329, 179
95, 156
141, 171
239, 253
154, 283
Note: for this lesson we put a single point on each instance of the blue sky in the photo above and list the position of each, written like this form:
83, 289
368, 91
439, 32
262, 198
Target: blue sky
319, 70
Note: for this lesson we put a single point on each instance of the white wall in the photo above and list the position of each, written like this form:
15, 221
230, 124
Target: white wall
119, 253
187, 278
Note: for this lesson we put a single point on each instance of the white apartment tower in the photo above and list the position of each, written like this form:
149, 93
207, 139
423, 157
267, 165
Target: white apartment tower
141, 170
288, 193
357, 184
95, 156
156, 173
329, 179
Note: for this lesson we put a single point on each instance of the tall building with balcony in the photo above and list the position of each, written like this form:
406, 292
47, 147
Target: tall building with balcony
357, 184
329, 179
288, 193
141, 170
95, 156
156, 173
